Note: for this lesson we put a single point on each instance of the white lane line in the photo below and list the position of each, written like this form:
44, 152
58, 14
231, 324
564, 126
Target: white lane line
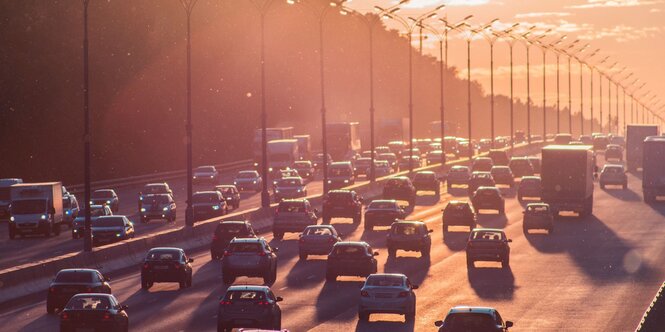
310, 277
283, 288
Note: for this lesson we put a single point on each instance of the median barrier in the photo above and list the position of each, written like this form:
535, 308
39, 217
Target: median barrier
654, 317
33, 278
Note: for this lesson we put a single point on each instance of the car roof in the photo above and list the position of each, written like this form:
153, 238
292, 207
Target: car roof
248, 240
499, 167
110, 296
456, 202
383, 201
537, 204
225, 186
401, 178
425, 172
246, 172
320, 226
78, 270
613, 166
207, 192
481, 229
104, 190
248, 288
352, 243
233, 222
340, 191
409, 222
531, 178
378, 275
294, 200
291, 178
157, 184
340, 163
166, 248
487, 188
482, 159
465, 309
460, 167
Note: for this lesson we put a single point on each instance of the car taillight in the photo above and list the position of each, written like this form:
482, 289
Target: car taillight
403, 294
263, 303
262, 253
364, 294
88, 289
223, 302
52, 289
177, 266
106, 316
146, 266
332, 240
215, 237
227, 253
64, 316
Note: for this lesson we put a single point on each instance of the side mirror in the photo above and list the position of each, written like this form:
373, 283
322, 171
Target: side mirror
275, 249
376, 253
430, 231
279, 299
414, 287
439, 323
191, 260
107, 279
510, 240
509, 324
124, 307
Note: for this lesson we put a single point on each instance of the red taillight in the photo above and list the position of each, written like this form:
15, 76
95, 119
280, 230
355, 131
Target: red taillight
403, 294
177, 266
88, 289
262, 253
51, 289
106, 316
227, 253
364, 294
223, 302
263, 303
146, 266
332, 240
65, 316
215, 237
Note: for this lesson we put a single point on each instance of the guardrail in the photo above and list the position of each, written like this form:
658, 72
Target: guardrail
32, 278
654, 317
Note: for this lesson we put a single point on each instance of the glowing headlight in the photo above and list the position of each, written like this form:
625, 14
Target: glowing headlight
43, 217
215, 207
166, 208
329, 181
140, 198
91, 203
108, 202
212, 176
346, 181
254, 182
299, 190
142, 209
12, 219
68, 212
118, 235
276, 191
76, 230
235, 183
194, 176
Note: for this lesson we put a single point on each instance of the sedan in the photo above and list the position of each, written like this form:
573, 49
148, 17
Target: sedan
96, 211
106, 196
69, 282
613, 174
351, 258
205, 174
110, 229
166, 265
208, 204
317, 240
95, 312
387, 293
230, 194
289, 187
382, 213
248, 180
488, 244
463, 318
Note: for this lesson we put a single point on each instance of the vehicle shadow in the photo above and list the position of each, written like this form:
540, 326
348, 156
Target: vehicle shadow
336, 297
508, 192
624, 195
455, 240
492, 282
288, 248
459, 191
419, 265
659, 207
205, 314
44, 322
492, 220
344, 229
381, 325
427, 200
377, 237
544, 242
314, 268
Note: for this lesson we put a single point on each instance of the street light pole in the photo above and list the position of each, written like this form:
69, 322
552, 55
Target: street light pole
600, 103
527, 45
544, 49
558, 53
511, 42
87, 240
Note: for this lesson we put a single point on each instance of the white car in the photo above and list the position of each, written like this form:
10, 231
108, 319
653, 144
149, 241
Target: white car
248, 180
205, 174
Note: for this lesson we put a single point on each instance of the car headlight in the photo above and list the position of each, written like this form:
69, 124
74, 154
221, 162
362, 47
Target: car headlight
194, 176
254, 182
68, 212
142, 209
215, 207
108, 202
329, 181
235, 183
43, 217
12, 219
76, 230
346, 181
276, 191
212, 176
299, 190
118, 234
166, 208
140, 198
91, 203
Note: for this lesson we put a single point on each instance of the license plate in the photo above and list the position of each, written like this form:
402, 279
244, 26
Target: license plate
159, 267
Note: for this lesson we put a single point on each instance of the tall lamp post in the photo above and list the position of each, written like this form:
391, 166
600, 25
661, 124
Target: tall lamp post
87, 243
320, 13
600, 99
527, 44
558, 53
582, 62
188, 5
612, 79
410, 24
544, 47
571, 53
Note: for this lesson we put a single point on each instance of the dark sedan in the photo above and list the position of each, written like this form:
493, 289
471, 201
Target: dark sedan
382, 213
94, 312
166, 265
70, 282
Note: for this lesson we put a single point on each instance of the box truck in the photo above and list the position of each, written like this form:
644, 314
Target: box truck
36, 208
567, 174
653, 168
635, 136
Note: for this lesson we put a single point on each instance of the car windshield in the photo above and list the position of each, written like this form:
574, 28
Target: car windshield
163, 255
289, 182
457, 207
405, 229
206, 169
244, 296
230, 229
363, 161
469, 322
487, 235
381, 205
339, 197
74, 276
292, 207
424, 176
501, 170
102, 194
459, 170
246, 175
339, 171
205, 198
530, 182
387, 157
384, 281
302, 164
155, 189
109, 222
613, 170
538, 209
318, 231
245, 247
350, 250
66, 203
90, 302
396, 183
95, 211
226, 190
29, 206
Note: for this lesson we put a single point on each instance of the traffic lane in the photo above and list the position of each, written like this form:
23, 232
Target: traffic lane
36, 248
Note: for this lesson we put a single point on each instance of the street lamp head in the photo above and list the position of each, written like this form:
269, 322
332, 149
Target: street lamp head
291, 2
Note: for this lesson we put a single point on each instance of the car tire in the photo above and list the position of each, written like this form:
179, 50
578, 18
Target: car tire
302, 256
525, 229
145, 284
363, 316
50, 309
502, 210
228, 278
392, 252
550, 230
445, 228
368, 226
469, 262
331, 277
410, 316
47, 232
183, 283
505, 263
278, 235
425, 251
190, 281
277, 323
144, 220
449, 186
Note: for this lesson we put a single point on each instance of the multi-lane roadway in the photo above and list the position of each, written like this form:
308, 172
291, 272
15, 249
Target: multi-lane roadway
592, 274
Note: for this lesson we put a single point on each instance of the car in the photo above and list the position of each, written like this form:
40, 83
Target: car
248, 181
519, 136
586, 140
400, 188
562, 139
317, 240
382, 213
158, 206
488, 198
230, 194
69, 282
293, 215
342, 204
600, 142
251, 257
529, 187
520, 166
484, 144
96, 211
208, 204
317, 161
614, 151
481, 164
94, 312
105, 196
535, 163
289, 187
409, 235
458, 213
458, 175
397, 147
367, 154
434, 157
479, 179
576, 143
71, 209
286, 173
499, 157
488, 244
406, 152
463, 318
340, 174
538, 216
225, 232
351, 258
613, 174
249, 306
618, 140
391, 158
205, 174
154, 189
427, 181
108, 229
382, 149
406, 160
390, 293
166, 264
305, 168
361, 166
381, 168
503, 175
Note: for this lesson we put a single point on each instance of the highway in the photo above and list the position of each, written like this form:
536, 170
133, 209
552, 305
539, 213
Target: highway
592, 274
34, 248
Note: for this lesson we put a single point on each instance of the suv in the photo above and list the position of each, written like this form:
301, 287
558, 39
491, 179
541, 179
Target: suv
529, 187
317, 240
248, 180
434, 157
96, 211
230, 194
166, 265
382, 213
342, 204
208, 204
362, 165
154, 189
600, 142
249, 306
463, 318
205, 174
458, 175
427, 180
158, 206
251, 257
410, 236
293, 215
520, 166
614, 151
340, 174
488, 198
458, 213
499, 157
538, 216
227, 231
479, 179
400, 188
613, 174
390, 293
487, 244
503, 175
69, 282
351, 258
482, 164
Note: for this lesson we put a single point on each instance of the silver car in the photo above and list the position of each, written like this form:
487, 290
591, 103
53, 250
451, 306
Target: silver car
387, 293
289, 187
317, 240
248, 180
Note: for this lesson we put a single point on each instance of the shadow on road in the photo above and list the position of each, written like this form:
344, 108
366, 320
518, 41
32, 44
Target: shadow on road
456, 240
419, 265
459, 192
39, 323
492, 220
492, 282
624, 195
428, 200
307, 273
377, 237
337, 297
382, 326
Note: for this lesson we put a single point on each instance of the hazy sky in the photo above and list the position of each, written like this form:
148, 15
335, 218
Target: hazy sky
630, 32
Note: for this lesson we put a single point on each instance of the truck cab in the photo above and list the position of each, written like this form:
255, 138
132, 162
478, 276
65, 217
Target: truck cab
36, 208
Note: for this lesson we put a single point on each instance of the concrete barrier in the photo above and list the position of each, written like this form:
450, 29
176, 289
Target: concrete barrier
33, 278
653, 319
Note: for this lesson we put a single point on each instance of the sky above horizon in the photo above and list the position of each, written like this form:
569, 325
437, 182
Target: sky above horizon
630, 33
